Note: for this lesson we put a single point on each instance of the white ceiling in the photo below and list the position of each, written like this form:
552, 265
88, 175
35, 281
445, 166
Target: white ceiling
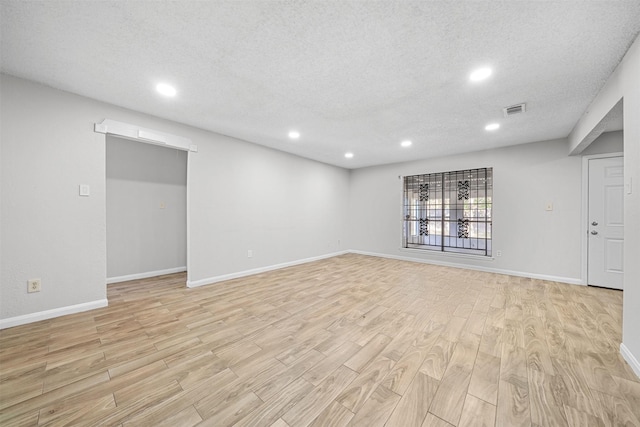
356, 76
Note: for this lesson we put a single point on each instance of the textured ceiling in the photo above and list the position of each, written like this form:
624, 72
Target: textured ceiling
356, 76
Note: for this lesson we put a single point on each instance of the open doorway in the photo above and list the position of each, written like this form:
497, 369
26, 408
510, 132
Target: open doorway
146, 203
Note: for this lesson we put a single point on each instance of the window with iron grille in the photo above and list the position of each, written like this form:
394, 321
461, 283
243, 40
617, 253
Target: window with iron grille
449, 211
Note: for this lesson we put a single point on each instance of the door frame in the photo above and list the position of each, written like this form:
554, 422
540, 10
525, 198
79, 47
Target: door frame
155, 137
584, 220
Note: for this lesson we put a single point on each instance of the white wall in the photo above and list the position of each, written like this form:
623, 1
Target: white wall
534, 242
146, 209
48, 231
277, 205
240, 196
624, 84
608, 142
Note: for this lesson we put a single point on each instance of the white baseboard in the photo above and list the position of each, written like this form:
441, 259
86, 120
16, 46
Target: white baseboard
569, 280
49, 314
146, 275
630, 358
222, 278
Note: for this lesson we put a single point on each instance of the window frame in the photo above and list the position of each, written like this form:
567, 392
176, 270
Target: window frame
462, 199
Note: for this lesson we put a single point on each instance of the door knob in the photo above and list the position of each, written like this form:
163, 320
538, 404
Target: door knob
594, 232
594, 223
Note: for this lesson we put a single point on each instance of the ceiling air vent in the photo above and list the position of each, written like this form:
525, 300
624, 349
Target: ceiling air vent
514, 109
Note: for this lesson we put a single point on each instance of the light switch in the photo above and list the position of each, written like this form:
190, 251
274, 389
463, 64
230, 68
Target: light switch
85, 190
627, 185
549, 206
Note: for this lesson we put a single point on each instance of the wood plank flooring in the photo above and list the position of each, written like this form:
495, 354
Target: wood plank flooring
346, 341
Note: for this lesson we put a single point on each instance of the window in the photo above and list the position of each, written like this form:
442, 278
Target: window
449, 211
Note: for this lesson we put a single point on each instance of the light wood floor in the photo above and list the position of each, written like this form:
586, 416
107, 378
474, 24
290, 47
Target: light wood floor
347, 341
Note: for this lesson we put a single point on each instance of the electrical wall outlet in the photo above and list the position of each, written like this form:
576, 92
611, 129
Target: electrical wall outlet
33, 285
498, 253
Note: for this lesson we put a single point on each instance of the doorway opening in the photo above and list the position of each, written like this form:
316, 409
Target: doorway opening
146, 203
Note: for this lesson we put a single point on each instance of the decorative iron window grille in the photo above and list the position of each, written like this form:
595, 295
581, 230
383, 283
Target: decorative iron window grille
449, 211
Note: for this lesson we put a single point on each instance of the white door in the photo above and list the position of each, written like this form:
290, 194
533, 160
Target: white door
606, 222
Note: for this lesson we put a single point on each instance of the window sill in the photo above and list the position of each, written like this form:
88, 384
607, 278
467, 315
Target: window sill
447, 254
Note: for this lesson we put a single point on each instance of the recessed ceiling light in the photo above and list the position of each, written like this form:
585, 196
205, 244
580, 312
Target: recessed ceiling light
294, 134
348, 155
492, 126
406, 143
480, 74
166, 90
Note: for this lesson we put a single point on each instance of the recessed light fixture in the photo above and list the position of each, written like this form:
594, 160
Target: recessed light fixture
348, 155
406, 143
492, 126
294, 134
480, 74
166, 90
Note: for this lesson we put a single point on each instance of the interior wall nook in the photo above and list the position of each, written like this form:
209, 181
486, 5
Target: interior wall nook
146, 210
146, 267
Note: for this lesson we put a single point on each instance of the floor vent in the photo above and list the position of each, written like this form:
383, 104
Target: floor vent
514, 109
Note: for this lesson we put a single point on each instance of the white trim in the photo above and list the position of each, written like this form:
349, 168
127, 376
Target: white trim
145, 275
224, 277
630, 358
150, 136
584, 217
569, 280
155, 137
49, 314
401, 211
447, 254
187, 212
